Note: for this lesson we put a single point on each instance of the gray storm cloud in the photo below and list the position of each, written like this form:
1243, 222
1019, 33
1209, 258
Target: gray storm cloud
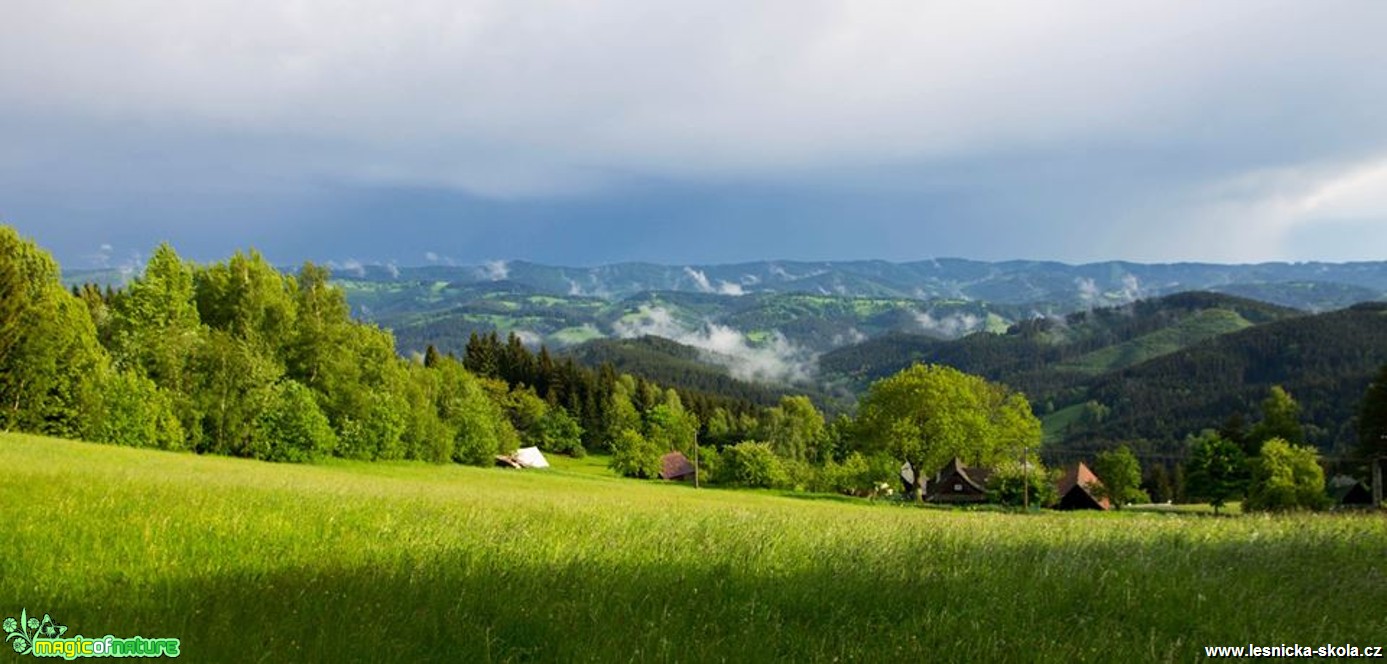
517, 100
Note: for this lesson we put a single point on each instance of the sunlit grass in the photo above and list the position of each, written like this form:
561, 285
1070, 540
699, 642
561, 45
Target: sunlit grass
247, 561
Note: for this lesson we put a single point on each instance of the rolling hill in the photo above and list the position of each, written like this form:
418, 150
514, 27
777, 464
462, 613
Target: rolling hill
1042, 354
1325, 361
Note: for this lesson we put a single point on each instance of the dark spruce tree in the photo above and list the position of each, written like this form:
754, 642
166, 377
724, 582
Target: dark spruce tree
1372, 419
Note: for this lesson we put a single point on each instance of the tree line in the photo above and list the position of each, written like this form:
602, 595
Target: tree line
230, 358
1269, 465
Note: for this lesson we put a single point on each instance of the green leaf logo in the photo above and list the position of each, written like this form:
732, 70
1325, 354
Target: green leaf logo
20, 632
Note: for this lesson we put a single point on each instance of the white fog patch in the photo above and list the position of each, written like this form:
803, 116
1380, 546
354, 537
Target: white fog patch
576, 289
528, 337
1091, 295
851, 336
354, 267
1131, 288
392, 269
494, 270
1088, 290
705, 285
700, 280
951, 326
131, 267
102, 257
775, 360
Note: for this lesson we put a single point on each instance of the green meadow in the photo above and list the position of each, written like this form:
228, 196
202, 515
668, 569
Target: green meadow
249, 561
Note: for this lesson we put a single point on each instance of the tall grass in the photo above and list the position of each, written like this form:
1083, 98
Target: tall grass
247, 561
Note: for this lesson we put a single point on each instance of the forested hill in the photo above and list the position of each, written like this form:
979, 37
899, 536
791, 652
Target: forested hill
1160, 370
1046, 356
1325, 361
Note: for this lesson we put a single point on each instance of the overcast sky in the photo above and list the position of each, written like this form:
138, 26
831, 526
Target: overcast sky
704, 131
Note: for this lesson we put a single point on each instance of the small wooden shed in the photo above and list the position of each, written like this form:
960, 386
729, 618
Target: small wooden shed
676, 466
1347, 492
1076, 489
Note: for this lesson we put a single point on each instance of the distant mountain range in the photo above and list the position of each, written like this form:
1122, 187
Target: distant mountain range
1312, 286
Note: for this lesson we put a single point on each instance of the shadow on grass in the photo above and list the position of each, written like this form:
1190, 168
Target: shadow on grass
1022, 602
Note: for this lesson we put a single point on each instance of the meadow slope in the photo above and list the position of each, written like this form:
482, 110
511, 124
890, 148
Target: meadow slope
250, 561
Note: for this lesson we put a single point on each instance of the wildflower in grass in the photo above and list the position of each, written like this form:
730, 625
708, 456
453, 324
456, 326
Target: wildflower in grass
11, 624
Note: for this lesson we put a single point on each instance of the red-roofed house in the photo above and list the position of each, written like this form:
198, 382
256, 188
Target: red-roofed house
1076, 489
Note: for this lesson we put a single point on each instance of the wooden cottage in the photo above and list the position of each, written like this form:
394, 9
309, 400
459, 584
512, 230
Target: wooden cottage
956, 483
1347, 492
1076, 489
676, 466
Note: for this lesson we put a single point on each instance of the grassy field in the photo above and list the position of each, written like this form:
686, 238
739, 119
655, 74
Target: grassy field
248, 561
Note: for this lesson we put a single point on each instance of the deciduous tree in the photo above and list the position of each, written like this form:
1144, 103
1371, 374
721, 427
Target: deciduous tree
1286, 477
1216, 470
634, 456
1280, 419
1121, 475
1372, 419
49, 354
927, 414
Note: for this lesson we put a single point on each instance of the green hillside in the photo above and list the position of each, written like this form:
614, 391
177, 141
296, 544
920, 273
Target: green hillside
1325, 361
1045, 357
389, 562
1198, 327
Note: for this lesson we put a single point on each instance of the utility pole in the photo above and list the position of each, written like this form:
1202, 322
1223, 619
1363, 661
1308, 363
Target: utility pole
1377, 477
1026, 479
695, 458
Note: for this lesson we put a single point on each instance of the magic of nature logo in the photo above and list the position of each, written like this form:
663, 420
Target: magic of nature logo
44, 637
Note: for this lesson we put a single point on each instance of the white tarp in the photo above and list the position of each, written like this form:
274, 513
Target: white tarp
530, 457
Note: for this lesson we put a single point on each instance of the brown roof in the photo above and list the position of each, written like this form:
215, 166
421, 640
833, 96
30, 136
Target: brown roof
1079, 475
976, 477
675, 466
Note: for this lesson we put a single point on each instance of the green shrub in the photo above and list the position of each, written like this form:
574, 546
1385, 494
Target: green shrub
1286, 477
291, 427
376, 433
635, 456
753, 464
560, 433
1007, 483
133, 411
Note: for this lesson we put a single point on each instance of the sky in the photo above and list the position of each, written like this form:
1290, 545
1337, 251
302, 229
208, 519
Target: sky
707, 131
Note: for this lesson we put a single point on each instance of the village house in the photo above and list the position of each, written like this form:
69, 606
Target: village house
1077, 489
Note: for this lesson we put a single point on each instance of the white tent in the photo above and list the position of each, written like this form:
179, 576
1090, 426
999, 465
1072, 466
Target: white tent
530, 457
